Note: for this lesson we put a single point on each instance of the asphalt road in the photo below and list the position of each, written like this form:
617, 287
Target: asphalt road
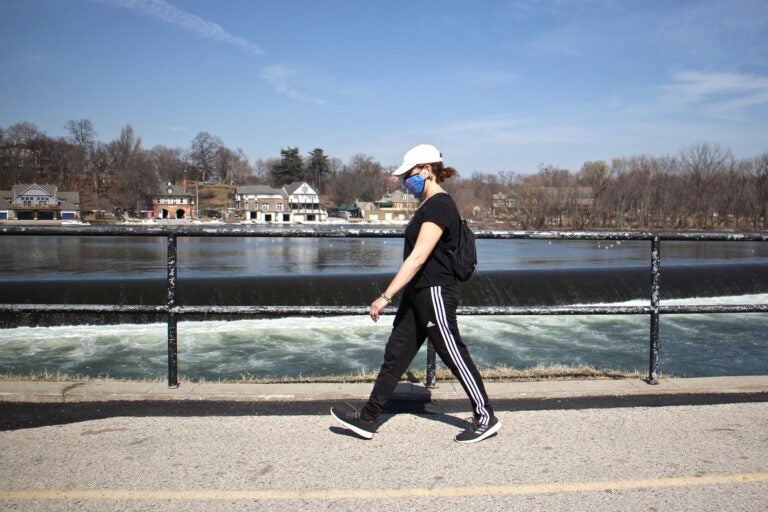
581, 456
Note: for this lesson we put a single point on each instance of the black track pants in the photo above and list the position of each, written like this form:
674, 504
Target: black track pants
428, 313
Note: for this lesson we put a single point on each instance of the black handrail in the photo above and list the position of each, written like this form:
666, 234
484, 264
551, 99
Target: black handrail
174, 311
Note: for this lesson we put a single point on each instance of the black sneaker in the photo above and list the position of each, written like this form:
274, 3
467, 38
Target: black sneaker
476, 432
351, 419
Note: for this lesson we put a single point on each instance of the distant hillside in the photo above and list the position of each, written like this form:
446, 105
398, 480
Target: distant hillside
217, 197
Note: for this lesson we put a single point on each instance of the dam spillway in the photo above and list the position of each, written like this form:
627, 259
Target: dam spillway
539, 287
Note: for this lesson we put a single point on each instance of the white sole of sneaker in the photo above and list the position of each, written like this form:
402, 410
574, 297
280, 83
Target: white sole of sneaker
488, 433
360, 432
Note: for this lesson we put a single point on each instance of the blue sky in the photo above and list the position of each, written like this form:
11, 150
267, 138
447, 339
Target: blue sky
496, 85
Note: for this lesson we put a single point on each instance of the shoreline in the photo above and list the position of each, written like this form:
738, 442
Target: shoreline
481, 226
496, 374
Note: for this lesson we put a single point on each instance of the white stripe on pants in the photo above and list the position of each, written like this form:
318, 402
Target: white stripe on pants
450, 343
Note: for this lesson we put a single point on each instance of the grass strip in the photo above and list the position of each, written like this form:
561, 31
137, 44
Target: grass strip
494, 374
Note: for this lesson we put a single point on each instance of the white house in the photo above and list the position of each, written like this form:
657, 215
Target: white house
304, 202
297, 202
263, 204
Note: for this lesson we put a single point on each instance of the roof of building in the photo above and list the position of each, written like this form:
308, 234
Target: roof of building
21, 188
365, 205
401, 196
69, 200
171, 190
258, 190
291, 188
398, 196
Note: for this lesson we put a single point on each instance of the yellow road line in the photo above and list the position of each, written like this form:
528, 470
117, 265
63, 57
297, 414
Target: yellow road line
358, 494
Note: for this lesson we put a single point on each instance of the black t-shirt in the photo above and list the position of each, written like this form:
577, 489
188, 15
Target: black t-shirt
437, 270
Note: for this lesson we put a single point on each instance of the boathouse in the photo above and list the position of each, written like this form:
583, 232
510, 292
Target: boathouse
174, 202
297, 202
39, 203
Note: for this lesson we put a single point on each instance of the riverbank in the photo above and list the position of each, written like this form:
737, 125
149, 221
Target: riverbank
496, 374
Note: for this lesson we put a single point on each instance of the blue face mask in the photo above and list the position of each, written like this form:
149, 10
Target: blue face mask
415, 184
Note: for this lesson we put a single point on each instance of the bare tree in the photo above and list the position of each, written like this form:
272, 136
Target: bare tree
597, 176
82, 136
362, 179
203, 154
168, 163
758, 177
23, 133
58, 161
232, 166
335, 165
369, 178
531, 203
701, 164
133, 173
81, 133
260, 170
263, 170
101, 174
341, 187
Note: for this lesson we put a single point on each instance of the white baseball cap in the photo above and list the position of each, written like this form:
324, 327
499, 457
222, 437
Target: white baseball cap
417, 155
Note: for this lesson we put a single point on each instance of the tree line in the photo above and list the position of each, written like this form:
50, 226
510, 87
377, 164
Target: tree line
122, 173
703, 187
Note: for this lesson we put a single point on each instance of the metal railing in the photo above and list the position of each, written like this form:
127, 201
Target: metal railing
175, 311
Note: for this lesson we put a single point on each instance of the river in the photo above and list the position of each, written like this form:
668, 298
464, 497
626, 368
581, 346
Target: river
692, 345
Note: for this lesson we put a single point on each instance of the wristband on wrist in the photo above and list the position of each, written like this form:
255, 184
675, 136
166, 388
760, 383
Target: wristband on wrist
389, 301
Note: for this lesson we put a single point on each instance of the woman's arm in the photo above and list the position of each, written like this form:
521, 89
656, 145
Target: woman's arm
429, 234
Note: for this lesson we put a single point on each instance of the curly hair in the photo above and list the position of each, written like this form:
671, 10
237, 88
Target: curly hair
441, 172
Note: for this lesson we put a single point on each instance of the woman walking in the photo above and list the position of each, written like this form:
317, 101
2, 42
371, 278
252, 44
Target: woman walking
428, 305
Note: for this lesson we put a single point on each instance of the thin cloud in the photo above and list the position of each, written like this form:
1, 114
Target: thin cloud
695, 85
281, 78
717, 94
513, 130
163, 11
723, 32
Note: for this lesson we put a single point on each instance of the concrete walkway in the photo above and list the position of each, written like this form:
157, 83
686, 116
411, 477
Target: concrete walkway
700, 444
90, 391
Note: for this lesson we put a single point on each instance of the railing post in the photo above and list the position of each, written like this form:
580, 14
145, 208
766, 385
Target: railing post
653, 365
431, 366
173, 367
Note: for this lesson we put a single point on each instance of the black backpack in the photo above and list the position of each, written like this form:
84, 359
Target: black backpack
464, 258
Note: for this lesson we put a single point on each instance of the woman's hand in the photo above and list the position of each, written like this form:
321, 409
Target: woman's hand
377, 306
429, 234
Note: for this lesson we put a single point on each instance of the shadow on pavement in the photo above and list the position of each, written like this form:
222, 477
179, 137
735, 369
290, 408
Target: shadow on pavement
16, 415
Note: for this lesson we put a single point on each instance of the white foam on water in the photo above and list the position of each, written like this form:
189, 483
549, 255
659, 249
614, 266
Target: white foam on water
333, 345
759, 298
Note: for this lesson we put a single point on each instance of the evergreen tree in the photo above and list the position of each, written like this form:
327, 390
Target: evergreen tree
290, 168
318, 167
